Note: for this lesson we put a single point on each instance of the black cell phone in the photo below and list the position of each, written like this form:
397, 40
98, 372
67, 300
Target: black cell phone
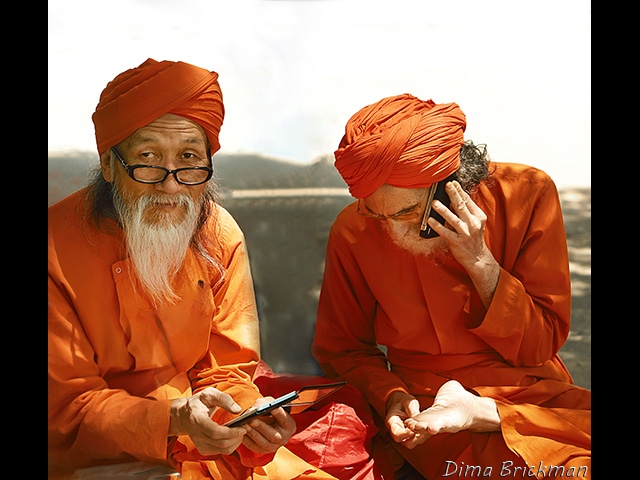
254, 412
294, 402
425, 230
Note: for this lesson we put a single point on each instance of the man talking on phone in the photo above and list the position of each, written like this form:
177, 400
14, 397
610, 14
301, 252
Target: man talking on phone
446, 299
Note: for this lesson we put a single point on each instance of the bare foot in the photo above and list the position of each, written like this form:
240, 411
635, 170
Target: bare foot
455, 409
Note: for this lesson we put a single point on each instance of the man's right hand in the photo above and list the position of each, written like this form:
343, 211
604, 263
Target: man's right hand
192, 416
401, 406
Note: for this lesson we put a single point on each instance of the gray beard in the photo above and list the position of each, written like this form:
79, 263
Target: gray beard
417, 246
157, 247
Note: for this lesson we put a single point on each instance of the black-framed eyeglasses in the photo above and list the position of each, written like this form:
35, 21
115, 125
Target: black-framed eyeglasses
405, 216
156, 174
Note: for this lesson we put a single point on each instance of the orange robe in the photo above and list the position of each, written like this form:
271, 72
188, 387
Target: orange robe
115, 363
428, 315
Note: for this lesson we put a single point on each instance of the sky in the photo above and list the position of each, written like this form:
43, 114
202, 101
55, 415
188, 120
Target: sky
292, 72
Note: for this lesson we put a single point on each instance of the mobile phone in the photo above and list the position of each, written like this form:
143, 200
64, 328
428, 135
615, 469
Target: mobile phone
294, 402
437, 193
254, 412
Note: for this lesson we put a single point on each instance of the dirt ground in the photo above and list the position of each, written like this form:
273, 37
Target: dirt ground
576, 353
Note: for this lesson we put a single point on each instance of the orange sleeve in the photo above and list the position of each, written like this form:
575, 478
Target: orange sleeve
529, 317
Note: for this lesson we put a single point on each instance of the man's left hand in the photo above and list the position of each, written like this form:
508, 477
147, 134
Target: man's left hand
268, 433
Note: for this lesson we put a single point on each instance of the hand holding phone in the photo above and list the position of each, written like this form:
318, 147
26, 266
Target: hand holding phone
254, 412
436, 192
294, 402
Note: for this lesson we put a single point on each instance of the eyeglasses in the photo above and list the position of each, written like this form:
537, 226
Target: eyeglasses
155, 174
411, 214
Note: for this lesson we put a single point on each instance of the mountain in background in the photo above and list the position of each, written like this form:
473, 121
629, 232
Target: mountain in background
67, 172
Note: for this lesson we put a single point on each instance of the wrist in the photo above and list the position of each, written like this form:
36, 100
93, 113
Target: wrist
485, 274
174, 417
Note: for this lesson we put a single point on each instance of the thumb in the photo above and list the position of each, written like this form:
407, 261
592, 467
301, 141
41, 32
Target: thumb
212, 397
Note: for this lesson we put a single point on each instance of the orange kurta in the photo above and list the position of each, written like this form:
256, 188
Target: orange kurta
435, 328
115, 362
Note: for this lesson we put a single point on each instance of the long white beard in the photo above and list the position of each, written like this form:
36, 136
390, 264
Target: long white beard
158, 245
413, 243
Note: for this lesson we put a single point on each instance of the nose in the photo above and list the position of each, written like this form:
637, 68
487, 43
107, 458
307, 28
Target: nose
169, 184
397, 229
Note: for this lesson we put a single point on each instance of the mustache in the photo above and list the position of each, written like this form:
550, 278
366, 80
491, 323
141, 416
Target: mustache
176, 199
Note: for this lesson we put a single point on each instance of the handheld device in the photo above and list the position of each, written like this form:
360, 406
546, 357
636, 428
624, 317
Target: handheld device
436, 192
294, 402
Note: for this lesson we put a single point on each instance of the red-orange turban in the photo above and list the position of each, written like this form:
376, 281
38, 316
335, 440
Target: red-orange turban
140, 95
400, 140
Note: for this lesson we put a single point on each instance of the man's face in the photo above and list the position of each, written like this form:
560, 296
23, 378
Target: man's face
171, 142
160, 219
400, 210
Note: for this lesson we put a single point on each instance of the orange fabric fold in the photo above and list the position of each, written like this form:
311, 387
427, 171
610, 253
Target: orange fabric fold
400, 140
140, 95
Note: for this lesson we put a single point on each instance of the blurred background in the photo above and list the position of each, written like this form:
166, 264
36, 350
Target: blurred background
292, 72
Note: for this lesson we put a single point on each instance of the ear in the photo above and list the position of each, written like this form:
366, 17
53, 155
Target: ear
105, 165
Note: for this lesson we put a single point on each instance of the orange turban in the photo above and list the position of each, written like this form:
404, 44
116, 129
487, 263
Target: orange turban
140, 95
401, 140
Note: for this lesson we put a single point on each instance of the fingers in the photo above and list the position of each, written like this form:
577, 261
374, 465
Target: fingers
464, 207
283, 418
219, 443
460, 200
457, 203
212, 397
403, 435
263, 438
415, 440
397, 429
463, 217
213, 439
192, 416
396, 426
267, 434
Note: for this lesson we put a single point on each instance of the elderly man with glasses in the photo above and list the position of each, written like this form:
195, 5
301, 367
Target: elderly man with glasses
153, 329
446, 299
